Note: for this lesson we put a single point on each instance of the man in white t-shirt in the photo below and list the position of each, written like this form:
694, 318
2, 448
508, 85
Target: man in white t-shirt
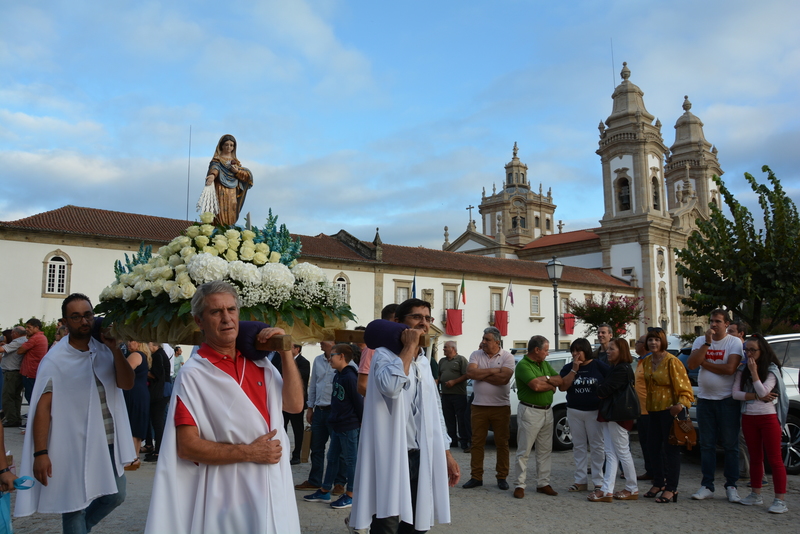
718, 414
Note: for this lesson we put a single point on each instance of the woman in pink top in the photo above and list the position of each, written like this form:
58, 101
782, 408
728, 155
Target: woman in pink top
759, 384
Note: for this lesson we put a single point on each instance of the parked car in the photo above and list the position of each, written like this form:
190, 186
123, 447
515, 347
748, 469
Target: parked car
787, 349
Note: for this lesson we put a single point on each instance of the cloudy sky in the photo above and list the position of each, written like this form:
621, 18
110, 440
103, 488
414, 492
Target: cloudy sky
363, 114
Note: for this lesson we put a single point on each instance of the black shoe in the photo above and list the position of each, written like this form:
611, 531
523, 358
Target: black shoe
474, 483
294, 461
502, 484
152, 457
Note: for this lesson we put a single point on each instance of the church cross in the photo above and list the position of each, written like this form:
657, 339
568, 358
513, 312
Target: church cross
469, 209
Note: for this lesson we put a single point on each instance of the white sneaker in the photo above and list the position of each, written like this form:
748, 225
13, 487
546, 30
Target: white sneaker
703, 493
733, 494
778, 507
753, 498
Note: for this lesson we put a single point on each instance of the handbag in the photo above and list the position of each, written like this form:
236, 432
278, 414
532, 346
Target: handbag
622, 405
682, 432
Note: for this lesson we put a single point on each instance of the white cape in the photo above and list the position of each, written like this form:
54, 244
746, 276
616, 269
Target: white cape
77, 446
382, 486
242, 497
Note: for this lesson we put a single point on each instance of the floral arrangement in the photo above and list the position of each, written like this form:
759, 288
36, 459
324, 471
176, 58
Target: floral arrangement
151, 290
615, 310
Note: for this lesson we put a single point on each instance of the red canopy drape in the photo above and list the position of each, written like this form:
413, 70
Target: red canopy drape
501, 321
454, 322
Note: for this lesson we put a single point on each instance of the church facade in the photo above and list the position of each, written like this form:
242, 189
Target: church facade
652, 194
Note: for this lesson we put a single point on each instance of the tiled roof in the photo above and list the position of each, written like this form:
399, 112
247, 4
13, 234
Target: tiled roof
95, 222
561, 239
115, 224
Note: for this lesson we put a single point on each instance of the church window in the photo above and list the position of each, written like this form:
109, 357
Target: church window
522, 222
536, 222
510, 177
342, 284
56, 274
656, 194
513, 222
522, 177
547, 224
624, 194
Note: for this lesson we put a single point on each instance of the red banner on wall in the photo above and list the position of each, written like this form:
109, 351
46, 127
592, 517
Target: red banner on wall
501, 321
454, 322
569, 323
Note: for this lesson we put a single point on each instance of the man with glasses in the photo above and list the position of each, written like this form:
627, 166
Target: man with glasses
317, 413
718, 414
404, 462
490, 369
78, 437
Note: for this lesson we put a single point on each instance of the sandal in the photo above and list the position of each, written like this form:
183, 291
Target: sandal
599, 496
577, 487
652, 494
626, 495
673, 497
133, 466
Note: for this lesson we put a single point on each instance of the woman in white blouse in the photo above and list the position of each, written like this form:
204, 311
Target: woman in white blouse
760, 385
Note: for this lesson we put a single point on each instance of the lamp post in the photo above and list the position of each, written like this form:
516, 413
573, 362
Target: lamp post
554, 270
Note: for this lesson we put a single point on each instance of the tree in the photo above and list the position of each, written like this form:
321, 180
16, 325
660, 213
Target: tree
753, 272
615, 310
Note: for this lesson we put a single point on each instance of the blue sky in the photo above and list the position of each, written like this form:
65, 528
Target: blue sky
366, 114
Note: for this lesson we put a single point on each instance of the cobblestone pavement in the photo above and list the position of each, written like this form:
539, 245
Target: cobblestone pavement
487, 509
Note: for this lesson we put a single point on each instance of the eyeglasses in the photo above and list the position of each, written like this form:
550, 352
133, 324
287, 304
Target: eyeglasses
76, 318
419, 317
752, 351
335, 354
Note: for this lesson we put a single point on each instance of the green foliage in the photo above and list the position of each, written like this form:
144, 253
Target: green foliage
753, 272
614, 310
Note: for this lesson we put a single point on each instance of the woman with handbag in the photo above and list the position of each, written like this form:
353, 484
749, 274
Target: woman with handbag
760, 385
618, 408
669, 393
581, 378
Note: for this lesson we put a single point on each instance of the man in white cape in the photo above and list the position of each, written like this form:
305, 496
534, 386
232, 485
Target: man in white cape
78, 437
404, 466
221, 467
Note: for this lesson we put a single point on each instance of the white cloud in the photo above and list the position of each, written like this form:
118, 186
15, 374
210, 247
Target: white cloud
21, 127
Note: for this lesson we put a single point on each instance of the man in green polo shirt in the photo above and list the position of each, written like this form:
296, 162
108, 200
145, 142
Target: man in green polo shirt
536, 382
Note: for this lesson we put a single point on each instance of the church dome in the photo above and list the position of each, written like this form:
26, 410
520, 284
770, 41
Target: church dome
628, 103
688, 129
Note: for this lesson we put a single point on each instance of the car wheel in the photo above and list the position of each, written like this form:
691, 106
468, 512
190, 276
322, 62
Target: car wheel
790, 445
562, 438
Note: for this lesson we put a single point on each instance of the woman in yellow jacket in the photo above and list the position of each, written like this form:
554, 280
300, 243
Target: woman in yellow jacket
669, 394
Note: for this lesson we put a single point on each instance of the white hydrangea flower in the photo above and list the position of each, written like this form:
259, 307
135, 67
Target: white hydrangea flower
205, 268
247, 273
308, 272
276, 283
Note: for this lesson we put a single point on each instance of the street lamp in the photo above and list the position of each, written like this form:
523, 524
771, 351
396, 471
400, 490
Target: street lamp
554, 270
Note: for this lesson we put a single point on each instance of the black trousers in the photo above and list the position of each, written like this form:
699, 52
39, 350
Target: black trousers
297, 429
393, 525
454, 408
665, 459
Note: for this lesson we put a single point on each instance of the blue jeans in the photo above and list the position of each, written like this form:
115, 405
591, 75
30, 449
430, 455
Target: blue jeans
28, 383
343, 445
320, 430
82, 521
719, 420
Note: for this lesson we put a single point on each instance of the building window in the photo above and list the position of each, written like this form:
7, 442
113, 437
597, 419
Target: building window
563, 301
402, 290
510, 177
681, 285
536, 222
624, 194
56, 274
496, 298
547, 224
656, 195
342, 283
535, 302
